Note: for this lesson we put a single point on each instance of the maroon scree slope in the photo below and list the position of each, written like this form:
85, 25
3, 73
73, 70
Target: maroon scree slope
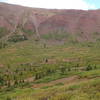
80, 23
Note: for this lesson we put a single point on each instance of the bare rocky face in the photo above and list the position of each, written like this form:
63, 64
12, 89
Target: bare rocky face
81, 23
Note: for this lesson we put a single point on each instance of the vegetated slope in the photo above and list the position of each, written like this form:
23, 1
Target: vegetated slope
59, 24
88, 89
30, 71
38, 70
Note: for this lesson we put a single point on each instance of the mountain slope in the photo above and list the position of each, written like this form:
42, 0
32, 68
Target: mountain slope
79, 24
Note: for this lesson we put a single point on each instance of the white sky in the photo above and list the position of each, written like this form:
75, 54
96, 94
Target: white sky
59, 4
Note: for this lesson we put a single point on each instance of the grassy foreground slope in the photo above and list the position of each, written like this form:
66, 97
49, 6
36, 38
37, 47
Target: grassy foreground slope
83, 90
33, 70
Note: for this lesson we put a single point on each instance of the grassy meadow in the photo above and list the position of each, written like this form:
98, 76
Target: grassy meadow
38, 70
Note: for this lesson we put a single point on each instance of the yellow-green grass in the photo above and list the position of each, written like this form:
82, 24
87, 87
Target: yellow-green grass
85, 90
30, 52
66, 55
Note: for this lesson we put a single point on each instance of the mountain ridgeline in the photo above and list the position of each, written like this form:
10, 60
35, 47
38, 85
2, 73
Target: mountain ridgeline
49, 24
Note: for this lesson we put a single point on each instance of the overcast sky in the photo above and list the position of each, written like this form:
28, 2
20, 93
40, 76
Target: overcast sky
58, 4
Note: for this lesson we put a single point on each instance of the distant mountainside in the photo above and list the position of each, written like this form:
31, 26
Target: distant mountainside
56, 24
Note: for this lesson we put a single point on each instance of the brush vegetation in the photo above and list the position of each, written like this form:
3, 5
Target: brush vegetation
27, 63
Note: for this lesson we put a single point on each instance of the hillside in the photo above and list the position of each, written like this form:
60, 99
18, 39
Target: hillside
57, 24
49, 54
31, 71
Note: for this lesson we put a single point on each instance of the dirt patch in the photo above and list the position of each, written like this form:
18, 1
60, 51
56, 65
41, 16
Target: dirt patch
63, 80
1, 65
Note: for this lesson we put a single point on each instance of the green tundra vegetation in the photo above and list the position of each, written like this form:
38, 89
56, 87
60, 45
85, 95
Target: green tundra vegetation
3, 31
17, 38
38, 70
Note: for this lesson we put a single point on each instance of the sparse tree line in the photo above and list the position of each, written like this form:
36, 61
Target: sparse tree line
2, 45
18, 77
14, 38
17, 38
